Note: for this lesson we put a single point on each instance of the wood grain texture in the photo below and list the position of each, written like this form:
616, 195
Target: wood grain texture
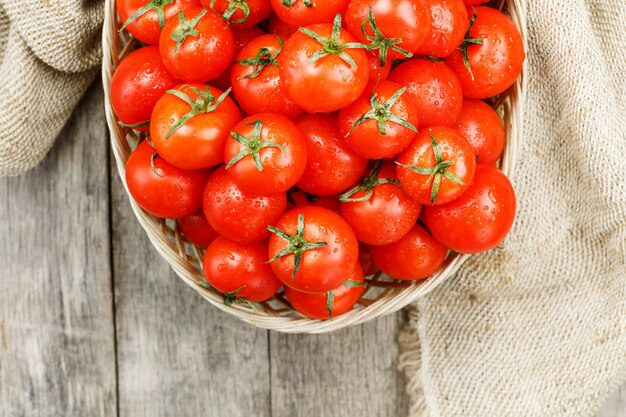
57, 354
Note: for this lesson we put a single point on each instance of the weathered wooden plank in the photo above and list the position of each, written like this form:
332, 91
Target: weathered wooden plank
351, 372
57, 354
615, 406
178, 355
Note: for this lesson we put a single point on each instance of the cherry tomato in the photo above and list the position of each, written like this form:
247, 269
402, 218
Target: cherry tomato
332, 167
242, 38
280, 28
311, 249
265, 154
144, 19
475, 2
240, 270
257, 85
381, 122
434, 88
197, 229
437, 167
449, 23
298, 198
366, 261
332, 304
165, 190
236, 215
481, 126
496, 62
334, 79
378, 209
137, 84
478, 220
416, 256
197, 45
193, 136
308, 12
377, 72
240, 14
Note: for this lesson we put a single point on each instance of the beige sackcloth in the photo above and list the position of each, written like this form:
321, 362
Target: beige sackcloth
536, 327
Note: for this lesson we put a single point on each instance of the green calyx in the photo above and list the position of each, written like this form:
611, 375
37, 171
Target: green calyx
351, 283
381, 112
469, 41
289, 3
330, 300
230, 296
233, 6
154, 156
380, 42
135, 125
204, 103
252, 146
367, 184
262, 59
186, 28
296, 245
438, 172
332, 45
157, 5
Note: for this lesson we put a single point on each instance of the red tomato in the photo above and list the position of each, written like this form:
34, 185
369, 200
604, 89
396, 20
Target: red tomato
332, 304
242, 38
256, 81
481, 126
449, 23
308, 12
416, 256
298, 198
197, 45
377, 72
332, 167
437, 167
240, 270
265, 154
197, 229
311, 249
164, 191
396, 28
378, 209
193, 136
331, 81
139, 81
240, 13
144, 19
366, 261
475, 2
434, 88
240, 216
381, 122
496, 60
478, 220
280, 28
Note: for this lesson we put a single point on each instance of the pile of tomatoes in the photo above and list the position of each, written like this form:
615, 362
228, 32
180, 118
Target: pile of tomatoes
307, 143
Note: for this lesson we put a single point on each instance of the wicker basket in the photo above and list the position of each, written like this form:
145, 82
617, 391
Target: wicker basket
382, 296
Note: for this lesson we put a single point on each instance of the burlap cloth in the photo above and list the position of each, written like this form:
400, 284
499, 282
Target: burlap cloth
534, 328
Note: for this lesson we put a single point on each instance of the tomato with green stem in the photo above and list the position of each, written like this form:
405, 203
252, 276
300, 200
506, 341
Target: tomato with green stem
437, 167
311, 249
197, 230
377, 72
265, 154
449, 23
300, 13
482, 127
240, 14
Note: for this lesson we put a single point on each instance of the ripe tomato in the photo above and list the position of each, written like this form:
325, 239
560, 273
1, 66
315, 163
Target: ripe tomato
332, 304
378, 209
160, 188
240, 14
240, 270
434, 88
308, 12
478, 220
416, 256
366, 261
449, 23
242, 38
493, 51
197, 229
481, 126
236, 215
139, 81
381, 122
256, 81
377, 72
321, 68
437, 167
144, 19
191, 123
311, 249
396, 28
280, 28
265, 154
332, 167
298, 198
197, 45
475, 2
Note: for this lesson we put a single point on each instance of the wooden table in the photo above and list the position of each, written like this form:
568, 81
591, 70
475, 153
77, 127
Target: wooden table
94, 323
